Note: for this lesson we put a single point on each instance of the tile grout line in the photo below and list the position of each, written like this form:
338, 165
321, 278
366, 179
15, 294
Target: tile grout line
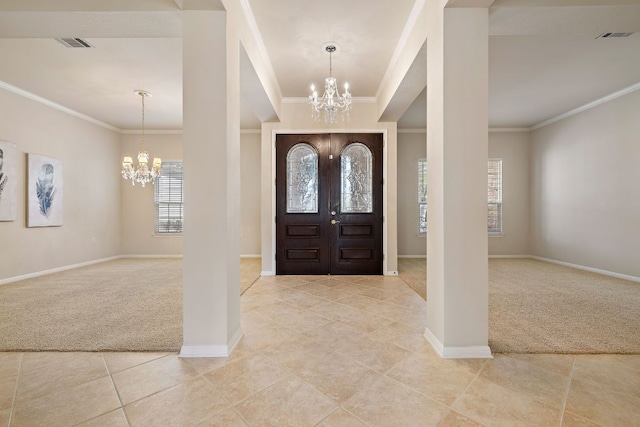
457, 399
15, 392
566, 394
126, 418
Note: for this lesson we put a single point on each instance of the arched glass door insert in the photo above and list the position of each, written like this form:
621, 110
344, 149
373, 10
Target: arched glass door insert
302, 179
356, 176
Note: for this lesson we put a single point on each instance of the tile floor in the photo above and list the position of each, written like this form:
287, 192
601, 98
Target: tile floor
321, 351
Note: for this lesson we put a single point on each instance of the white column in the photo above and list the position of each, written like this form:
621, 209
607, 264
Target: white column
211, 135
457, 149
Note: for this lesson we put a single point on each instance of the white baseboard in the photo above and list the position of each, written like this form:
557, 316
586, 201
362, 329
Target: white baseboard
391, 273
469, 352
267, 273
590, 269
509, 256
56, 270
151, 256
251, 256
211, 350
412, 256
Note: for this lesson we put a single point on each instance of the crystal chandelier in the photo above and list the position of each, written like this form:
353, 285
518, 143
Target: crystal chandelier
331, 102
141, 173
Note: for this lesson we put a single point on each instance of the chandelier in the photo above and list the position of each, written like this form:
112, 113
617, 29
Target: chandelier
331, 102
141, 173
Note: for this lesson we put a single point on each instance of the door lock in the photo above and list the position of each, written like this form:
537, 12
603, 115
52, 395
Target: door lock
333, 212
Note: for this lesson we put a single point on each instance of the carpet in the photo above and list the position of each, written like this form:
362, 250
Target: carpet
540, 307
121, 305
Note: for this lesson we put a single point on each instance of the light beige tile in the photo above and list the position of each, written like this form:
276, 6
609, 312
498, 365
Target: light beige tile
304, 300
260, 331
616, 371
360, 302
454, 419
409, 299
606, 402
297, 352
187, 403
7, 391
389, 403
151, 377
79, 369
527, 380
341, 418
336, 376
9, 364
494, 405
572, 420
227, 418
110, 419
335, 334
38, 360
410, 337
70, 406
442, 380
297, 319
364, 321
286, 403
5, 417
408, 316
117, 362
377, 355
561, 364
242, 378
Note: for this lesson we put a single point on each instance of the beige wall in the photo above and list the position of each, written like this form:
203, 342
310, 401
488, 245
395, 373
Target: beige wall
585, 188
513, 149
138, 211
411, 147
250, 193
138, 207
91, 163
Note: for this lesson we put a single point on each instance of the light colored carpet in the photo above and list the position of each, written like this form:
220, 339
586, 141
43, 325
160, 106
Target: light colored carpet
539, 307
127, 304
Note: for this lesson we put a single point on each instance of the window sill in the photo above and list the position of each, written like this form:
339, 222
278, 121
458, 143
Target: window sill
166, 235
496, 234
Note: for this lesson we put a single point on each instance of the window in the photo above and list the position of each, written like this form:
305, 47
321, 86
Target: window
494, 191
422, 196
168, 199
494, 222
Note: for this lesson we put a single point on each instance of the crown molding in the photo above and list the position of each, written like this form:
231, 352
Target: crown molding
305, 100
588, 106
32, 96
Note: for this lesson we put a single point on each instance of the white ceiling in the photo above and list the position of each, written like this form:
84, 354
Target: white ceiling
544, 58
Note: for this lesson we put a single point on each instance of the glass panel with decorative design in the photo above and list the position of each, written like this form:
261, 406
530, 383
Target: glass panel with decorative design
302, 179
356, 179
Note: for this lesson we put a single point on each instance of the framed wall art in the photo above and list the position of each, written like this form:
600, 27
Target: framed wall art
45, 194
8, 181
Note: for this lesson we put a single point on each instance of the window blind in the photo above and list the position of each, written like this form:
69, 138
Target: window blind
494, 220
168, 199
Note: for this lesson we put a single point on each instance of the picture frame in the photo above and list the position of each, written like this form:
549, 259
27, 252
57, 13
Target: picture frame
8, 181
45, 201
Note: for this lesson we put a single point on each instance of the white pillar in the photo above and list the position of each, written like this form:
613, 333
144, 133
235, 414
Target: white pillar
457, 149
211, 138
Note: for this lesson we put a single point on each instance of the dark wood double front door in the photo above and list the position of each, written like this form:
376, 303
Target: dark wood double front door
329, 204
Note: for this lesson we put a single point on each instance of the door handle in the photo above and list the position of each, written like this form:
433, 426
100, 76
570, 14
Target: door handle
333, 222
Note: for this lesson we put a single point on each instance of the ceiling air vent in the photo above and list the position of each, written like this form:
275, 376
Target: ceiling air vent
613, 35
75, 42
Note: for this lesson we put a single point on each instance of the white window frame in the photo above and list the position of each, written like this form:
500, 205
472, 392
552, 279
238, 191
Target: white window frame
422, 197
494, 198
496, 194
171, 223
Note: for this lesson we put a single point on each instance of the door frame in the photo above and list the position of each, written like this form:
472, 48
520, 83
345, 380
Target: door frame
270, 261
